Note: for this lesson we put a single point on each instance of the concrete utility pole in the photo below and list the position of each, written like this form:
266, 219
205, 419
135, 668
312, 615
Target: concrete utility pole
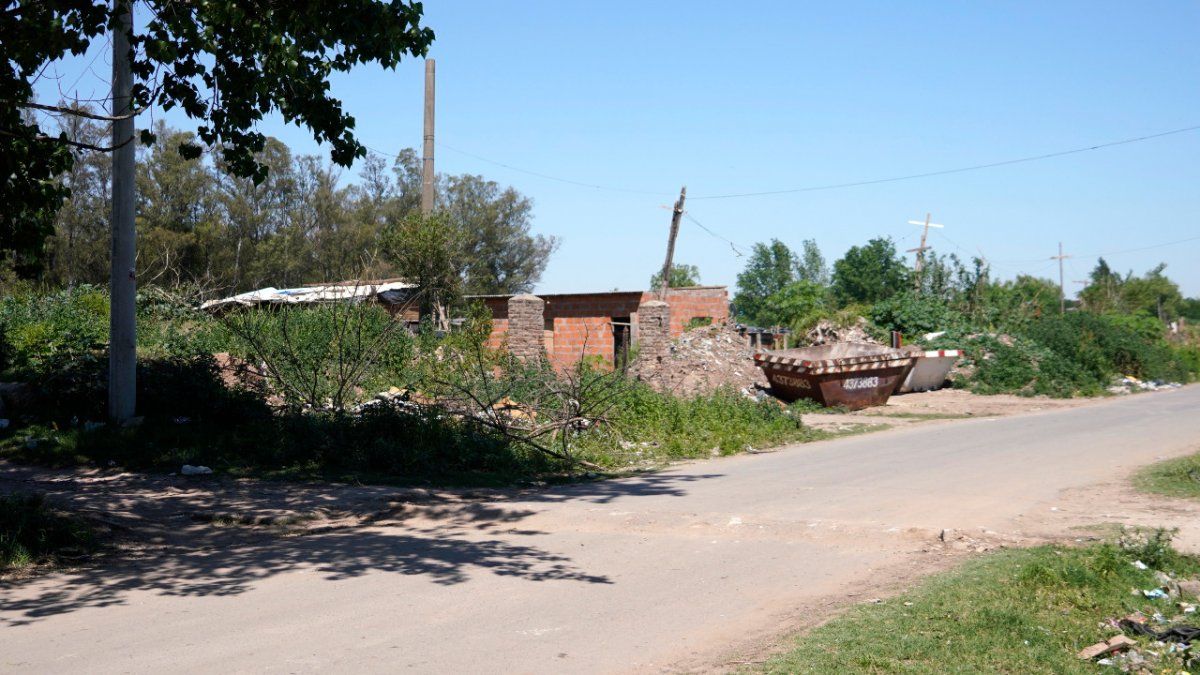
122, 342
427, 175
676, 215
1062, 288
919, 265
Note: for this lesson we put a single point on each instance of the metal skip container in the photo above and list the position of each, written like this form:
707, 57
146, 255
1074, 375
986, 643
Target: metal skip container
930, 370
849, 374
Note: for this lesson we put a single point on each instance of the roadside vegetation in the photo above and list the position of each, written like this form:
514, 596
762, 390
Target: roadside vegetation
1014, 335
1014, 611
342, 391
1179, 477
31, 533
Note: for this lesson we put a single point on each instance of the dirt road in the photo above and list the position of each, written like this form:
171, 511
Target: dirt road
686, 569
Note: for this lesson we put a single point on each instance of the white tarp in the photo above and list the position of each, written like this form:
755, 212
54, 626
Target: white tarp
308, 294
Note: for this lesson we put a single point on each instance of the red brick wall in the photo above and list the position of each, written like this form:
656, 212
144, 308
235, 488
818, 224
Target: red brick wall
690, 303
582, 322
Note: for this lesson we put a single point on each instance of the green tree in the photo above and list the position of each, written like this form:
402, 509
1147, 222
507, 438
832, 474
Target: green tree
682, 276
771, 267
797, 305
224, 63
870, 273
1103, 292
811, 266
500, 255
427, 251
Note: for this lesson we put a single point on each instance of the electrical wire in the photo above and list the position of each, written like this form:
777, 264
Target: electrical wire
829, 186
944, 172
701, 225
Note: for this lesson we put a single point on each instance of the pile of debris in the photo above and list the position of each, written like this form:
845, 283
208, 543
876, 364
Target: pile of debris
703, 360
826, 332
1170, 640
1129, 384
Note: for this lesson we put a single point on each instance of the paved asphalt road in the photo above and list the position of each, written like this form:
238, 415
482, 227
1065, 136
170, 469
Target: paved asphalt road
643, 574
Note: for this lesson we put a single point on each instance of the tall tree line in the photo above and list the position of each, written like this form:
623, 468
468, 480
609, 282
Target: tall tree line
202, 227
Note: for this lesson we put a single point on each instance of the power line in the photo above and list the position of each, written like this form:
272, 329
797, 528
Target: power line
829, 186
944, 172
701, 225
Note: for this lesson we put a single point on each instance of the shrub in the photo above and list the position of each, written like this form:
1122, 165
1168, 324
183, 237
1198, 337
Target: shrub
323, 355
40, 326
914, 314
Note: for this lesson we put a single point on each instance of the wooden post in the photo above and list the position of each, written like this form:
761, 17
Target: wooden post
919, 265
428, 177
1062, 289
676, 215
122, 326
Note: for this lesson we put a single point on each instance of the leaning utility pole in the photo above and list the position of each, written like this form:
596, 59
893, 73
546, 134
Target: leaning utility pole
427, 175
919, 265
676, 214
122, 324
1062, 288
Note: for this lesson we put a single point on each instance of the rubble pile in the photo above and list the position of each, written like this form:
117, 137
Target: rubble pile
703, 360
826, 332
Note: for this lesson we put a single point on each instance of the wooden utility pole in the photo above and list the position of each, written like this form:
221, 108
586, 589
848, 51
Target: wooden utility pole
427, 175
122, 350
919, 265
676, 215
1062, 287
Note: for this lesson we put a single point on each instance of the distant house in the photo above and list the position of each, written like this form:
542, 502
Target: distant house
576, 325
605, 324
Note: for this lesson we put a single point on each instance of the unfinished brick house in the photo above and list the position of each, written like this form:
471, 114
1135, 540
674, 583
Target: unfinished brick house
604, 325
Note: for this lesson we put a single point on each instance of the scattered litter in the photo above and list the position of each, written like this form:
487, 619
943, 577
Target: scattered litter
734, 521
181, 420
92, 426
189, 470
1154, 593
1140, 565
1129, 384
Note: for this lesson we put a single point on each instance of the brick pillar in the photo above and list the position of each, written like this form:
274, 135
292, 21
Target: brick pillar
654, 330
525, 326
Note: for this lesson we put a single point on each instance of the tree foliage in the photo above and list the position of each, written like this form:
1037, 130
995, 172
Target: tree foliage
870, 273
225, 63
682, 276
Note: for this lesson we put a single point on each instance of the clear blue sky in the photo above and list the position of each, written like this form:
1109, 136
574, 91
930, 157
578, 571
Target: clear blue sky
730, 98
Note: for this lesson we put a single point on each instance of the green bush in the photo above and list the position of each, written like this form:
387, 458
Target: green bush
39, 326
325, 355
676, 427
913, 314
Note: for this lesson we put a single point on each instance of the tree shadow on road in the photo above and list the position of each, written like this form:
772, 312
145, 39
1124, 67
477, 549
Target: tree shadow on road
447, 543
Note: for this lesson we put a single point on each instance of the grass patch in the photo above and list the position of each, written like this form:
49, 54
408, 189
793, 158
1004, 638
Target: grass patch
32, 534
1016, 611
1174, 478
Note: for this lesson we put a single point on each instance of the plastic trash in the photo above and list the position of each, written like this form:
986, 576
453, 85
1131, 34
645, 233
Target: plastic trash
189, 470
1140, 565
1155, 593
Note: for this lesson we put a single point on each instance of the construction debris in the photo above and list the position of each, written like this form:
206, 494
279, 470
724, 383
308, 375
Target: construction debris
826, 332
703, 360
1109, 646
